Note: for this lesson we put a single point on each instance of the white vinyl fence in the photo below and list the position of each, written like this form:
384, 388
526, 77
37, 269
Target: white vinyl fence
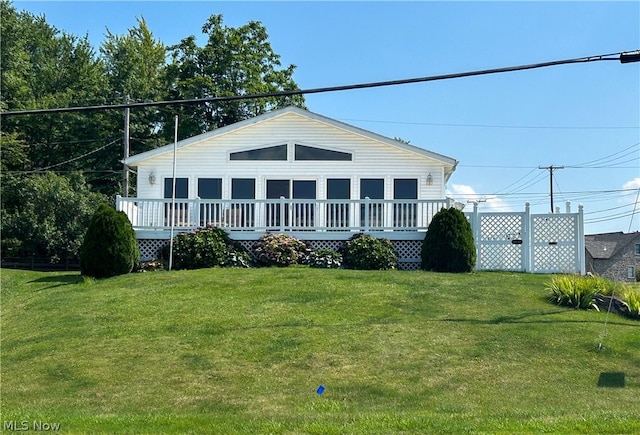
525, 242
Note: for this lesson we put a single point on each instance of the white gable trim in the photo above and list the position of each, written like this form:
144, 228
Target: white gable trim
134, 160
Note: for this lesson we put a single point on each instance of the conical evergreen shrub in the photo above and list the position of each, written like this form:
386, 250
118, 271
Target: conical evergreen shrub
109, 247
448, 245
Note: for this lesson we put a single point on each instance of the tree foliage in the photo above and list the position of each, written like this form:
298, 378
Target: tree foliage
448, 245
46, 215
234, 61
43, 67
109, 247
134, 65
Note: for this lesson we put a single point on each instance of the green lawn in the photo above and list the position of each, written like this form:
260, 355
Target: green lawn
244, 351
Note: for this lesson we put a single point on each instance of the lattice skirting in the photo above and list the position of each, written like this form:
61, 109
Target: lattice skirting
408, 250
150, 248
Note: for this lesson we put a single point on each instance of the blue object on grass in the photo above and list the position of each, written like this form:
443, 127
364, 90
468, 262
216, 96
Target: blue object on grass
320, 389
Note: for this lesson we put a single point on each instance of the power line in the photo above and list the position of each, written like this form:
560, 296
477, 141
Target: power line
532, 127
75, 158
623, 57
599, 160
610, 218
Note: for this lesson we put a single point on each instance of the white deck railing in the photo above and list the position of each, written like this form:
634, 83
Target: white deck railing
283, 214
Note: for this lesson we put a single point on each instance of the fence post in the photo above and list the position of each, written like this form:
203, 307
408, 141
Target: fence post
475, 223
527, 241
580, 240
118, 203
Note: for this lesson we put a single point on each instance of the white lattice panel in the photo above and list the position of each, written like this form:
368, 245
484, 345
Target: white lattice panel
324, 244
554, 259
502, 227
555, 243
409, 253
501, 256
149, 248
552, 228
496, 250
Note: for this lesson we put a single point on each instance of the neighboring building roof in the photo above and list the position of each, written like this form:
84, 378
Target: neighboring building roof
447, 161
604, 246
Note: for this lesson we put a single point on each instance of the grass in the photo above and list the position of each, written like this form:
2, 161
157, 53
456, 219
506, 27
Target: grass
244, 351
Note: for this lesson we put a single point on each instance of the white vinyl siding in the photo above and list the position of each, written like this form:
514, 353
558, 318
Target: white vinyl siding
371, 159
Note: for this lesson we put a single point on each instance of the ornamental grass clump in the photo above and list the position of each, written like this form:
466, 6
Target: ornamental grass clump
586, 292
632, 298
573, 291
280, 250
365, 252
207, 247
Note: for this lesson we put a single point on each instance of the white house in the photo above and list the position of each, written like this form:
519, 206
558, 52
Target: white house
289, 170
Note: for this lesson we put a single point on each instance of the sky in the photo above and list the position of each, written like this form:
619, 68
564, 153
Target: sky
501, 127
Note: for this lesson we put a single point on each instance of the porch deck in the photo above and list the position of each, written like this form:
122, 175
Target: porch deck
308, 218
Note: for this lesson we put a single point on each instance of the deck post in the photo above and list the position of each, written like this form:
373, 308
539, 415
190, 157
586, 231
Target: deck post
282, 214
367, 202
198, 211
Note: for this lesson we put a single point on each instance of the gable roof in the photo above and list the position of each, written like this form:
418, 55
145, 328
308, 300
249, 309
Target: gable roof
606, 245
447, 161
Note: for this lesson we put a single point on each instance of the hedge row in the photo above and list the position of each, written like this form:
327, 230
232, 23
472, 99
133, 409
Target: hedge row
212, 246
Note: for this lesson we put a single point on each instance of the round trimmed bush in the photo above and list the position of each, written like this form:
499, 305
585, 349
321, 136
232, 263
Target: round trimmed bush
109, 246
366, 252
280, 250
448, 245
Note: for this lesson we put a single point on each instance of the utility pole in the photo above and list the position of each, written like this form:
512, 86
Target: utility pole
551, 168
125, 168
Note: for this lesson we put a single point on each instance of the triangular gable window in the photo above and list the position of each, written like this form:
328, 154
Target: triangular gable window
278, 152
304, 152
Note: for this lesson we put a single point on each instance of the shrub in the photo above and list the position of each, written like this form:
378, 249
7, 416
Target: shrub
109, 247
574, 291
325, 259
207, 247
46, 215
365, 252
448, 245
280, 250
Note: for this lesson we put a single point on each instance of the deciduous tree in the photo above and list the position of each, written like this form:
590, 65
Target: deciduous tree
234, 61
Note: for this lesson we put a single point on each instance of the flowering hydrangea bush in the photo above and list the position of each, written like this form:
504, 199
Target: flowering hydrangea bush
280, 250
325, 259
365, 252
207, 247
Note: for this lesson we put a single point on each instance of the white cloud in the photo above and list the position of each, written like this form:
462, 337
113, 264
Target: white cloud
632, 184
464, 193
